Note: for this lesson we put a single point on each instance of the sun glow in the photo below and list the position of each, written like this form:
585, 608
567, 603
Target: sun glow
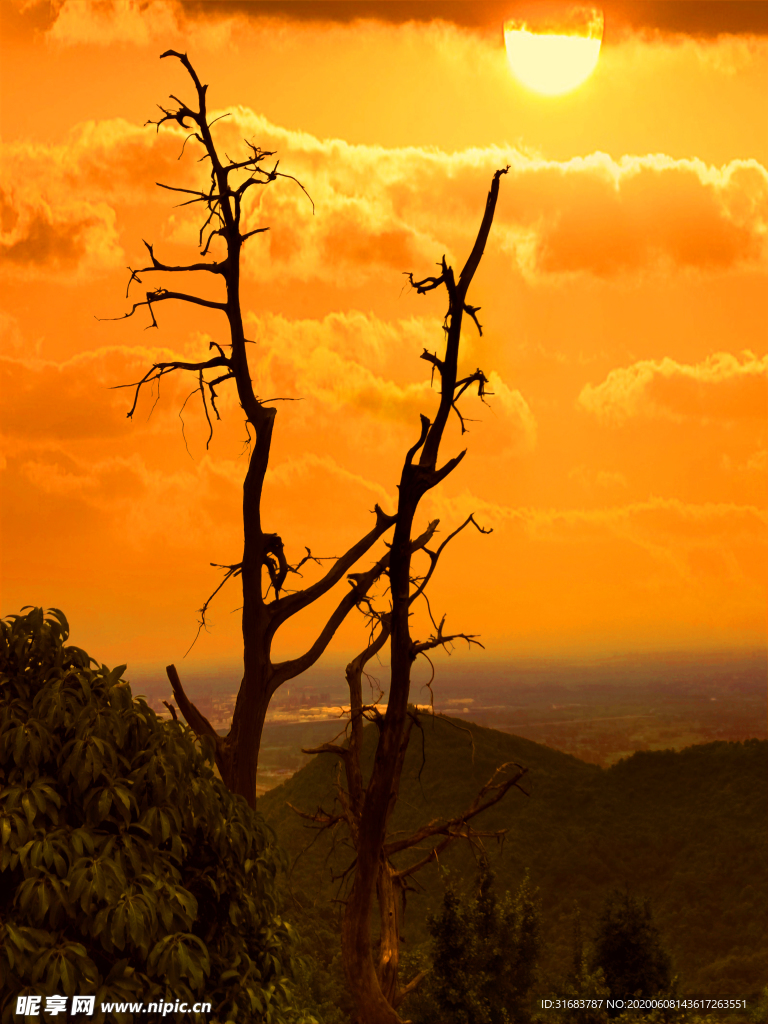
554, 62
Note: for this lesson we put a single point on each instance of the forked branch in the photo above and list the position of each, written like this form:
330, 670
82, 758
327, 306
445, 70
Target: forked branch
434, 556
212, 268
161, 369
452, 827
360, 584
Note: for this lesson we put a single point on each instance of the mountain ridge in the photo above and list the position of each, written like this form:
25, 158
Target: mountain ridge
686, 829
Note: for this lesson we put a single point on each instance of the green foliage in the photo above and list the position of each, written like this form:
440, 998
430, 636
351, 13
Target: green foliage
455, 988
628, 949
583, 985
586, 985
484, 956
759, 1012
321, 989
127, 870
584, 992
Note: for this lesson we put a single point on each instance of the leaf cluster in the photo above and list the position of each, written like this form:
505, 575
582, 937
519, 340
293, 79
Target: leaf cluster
321, 989
629, 949
127, 870
484, 956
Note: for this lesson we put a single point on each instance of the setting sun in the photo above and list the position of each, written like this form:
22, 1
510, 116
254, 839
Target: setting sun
553, 62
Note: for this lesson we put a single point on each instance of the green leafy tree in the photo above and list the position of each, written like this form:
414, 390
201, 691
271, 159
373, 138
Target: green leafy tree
584, 986
484, 955
321, 990
587, 991
454, 957
629, 949
127, 870
759, 1012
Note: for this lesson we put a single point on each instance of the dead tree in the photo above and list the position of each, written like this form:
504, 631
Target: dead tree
264, 566
372, 974
428, 842
416, 479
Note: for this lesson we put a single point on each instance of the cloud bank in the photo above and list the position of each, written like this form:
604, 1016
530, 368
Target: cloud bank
721, 387
75, 22
382, 211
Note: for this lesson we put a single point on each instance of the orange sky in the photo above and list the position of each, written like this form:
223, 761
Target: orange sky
622, 462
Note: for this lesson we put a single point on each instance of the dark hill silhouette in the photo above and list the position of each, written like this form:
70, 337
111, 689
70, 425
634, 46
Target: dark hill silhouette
687, 829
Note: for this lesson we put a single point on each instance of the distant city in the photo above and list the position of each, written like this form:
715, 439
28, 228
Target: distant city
303, 706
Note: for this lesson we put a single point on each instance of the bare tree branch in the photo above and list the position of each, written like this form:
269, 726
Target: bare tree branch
428, 284
410, 987
292, 603
320, 818
194, 718
264, 566
256, 231
161, 369
440, 639
478, 805
232, 571
212, 268
375, 986
434, 556
161, 295
360, 585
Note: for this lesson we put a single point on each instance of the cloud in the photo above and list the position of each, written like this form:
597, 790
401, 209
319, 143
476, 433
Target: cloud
195, 506
612, 217
345, 363
142, 22
722, 387
675, 534
361, 363
11, 336
382, 211
113, 21
669, 515
66, 237
285, 474
516, 410
59, 202
128, 498
604, 478
706, 20
81, 398
65, 401
98, 161
345, 360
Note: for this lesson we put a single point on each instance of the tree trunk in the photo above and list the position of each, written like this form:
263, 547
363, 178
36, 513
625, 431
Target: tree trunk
389, 943
372, 1005
244, 739
362, 977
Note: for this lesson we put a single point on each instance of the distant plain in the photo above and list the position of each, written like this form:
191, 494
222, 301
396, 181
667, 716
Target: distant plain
599, 711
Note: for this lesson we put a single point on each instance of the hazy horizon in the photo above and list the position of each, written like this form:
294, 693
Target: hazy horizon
483, 671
